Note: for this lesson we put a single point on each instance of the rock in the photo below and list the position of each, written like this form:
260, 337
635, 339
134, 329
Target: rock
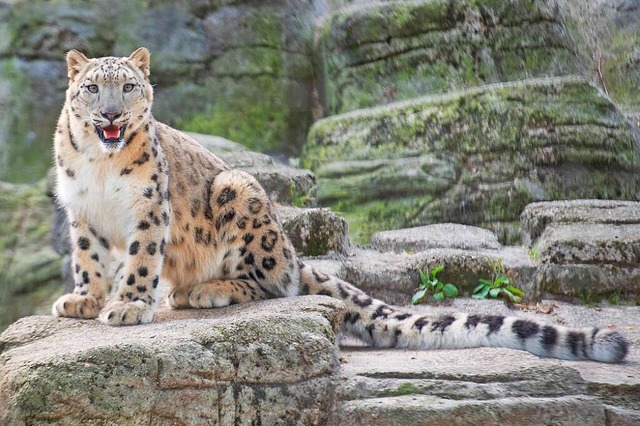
315, 232
441, 235
240, 69
284, 184
30, 270
585, 248
420, 410
607, 32
506, 146
537, 216
590, 243
489, 385
268, 362
377, 53
394, 277
31, 95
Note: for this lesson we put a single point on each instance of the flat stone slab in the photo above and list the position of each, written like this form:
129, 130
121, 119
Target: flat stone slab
441, 235
588, 249
590, 243
393, 277
489, 386
266, 362
537, 216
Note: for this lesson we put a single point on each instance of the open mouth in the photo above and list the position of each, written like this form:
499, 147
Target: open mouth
111, 135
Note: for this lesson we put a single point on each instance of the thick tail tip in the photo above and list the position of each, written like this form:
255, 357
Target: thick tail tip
609, 346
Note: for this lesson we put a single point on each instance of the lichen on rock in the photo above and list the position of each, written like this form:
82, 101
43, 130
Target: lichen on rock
489, 152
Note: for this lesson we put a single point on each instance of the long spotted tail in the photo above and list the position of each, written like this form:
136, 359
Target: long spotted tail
385, 326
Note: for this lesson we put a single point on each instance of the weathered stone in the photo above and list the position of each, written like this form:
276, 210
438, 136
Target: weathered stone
31, 95
590, 283
509, 145
537, 216
422, 409
284, 184
622, 417
585, 248
28, 265
387, 51
266, 362
487, 385
589, 243
394, 277
607, 32
240, 70
315, 232
441, 235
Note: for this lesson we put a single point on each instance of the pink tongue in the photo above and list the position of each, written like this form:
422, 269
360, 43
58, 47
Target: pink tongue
111, 132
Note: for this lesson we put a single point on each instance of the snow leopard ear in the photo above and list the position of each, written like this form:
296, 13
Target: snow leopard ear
75, 63
141, 58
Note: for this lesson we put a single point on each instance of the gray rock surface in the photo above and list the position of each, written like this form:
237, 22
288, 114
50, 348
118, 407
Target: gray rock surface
441, 235
367, 48
393, 277
492, 386
585, 248
261, 363
537, 216
505, 145
316, 232
238, 69
277, 361
284, 184
30, 269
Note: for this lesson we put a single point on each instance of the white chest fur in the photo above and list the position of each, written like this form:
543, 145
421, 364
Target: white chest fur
98, 192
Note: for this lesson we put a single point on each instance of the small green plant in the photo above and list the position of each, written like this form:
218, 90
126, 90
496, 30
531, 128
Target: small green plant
430, 284
499, 286
534, 253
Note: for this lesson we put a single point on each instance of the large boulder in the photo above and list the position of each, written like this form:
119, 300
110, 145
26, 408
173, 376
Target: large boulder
474, 157
260, 363
373, 54
284, 184
315, 232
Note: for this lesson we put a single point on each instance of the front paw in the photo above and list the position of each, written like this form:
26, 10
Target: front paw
76, 306
126, 313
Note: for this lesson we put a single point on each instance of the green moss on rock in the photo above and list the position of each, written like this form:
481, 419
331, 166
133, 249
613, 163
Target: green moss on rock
28, 263
378, 53
498, 148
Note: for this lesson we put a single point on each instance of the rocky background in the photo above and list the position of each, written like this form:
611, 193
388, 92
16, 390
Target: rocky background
406, 113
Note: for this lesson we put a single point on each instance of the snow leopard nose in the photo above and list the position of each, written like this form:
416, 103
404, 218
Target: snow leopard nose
111, 116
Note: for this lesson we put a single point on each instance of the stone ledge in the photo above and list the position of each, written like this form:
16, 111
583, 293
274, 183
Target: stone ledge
262, 362
440, 235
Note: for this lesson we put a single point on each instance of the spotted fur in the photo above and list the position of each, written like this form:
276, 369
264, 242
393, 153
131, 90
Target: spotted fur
133, 185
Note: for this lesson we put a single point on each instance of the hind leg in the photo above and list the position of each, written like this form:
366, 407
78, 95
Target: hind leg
216, 294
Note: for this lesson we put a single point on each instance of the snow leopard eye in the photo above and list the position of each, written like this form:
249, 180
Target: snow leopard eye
128, 87
92, 88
